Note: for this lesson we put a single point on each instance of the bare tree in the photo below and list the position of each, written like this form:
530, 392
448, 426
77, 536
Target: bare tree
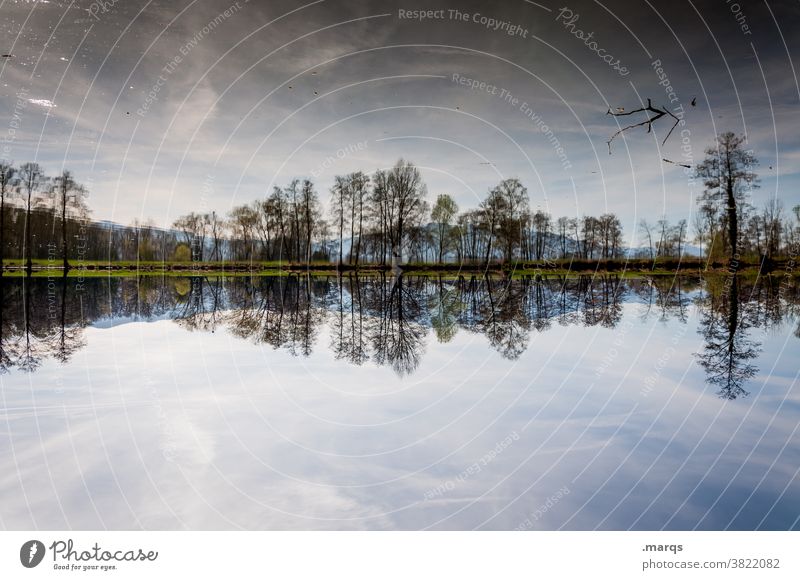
340, 197
68, 195
726, 172
514, 206
32, 179
772, 224
663, 247
647, 231
444, 210
540, 223
407, 194
311, 215
216, 227
8, 179
611, 235
243, 220
291, 194
680, 235
563, 226
194, 228
591, 231
359, 194
381, 212
491, 211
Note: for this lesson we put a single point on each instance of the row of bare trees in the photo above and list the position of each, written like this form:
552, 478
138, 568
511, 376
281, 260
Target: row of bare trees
727, 223
769, 232
284, 226
34, 193
386, 218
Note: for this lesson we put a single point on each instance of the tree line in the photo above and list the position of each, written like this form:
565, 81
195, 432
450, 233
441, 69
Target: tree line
387, 218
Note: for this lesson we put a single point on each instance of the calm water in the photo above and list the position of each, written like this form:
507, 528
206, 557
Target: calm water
382, 403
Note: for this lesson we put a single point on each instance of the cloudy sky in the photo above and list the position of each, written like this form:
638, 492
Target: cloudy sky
186, 105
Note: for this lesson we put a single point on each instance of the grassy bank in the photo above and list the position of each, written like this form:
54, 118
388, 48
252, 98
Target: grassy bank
633, 267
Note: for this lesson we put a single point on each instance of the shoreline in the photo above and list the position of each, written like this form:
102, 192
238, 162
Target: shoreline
576, 267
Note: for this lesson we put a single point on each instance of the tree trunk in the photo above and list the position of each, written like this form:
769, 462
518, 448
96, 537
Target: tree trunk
28, 261
341, 229
2, 229
399, 238
64, 230
489, 246
360, 227
733, 225
352, 225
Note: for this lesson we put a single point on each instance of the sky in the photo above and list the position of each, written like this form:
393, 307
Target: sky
162, 108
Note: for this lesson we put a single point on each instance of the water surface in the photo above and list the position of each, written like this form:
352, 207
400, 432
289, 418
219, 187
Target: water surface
400, 403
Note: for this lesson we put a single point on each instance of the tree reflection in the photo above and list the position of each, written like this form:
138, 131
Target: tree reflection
444, 306
8, 338
280, 311
665, 297
504, 319
31, 345
397, 331
386, 319
68, 338
349, 339
728, 350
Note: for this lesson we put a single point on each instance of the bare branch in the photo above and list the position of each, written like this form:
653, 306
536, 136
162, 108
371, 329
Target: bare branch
657, 113
676, 163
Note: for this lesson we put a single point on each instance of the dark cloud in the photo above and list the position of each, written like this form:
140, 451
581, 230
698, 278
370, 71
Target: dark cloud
167, 106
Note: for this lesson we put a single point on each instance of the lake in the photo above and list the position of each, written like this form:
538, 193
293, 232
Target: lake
301, 402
